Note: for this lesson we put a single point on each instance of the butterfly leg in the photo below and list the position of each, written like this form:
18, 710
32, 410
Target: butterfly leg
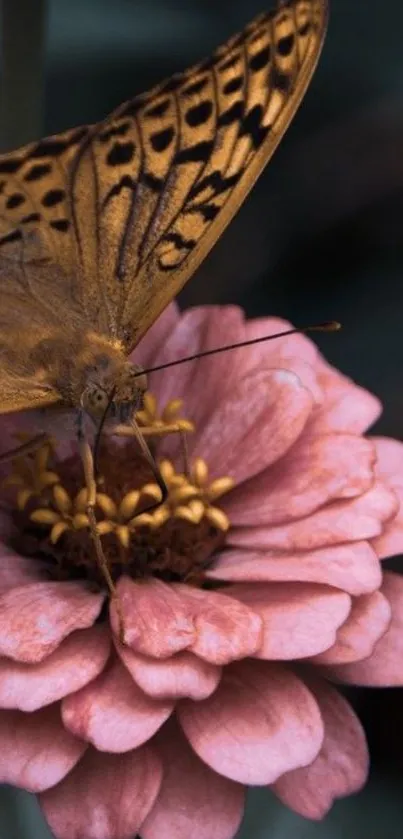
133, 430
25, 448
174, 428
90, 482
153, 431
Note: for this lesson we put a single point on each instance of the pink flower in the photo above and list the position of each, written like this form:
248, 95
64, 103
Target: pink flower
227, 682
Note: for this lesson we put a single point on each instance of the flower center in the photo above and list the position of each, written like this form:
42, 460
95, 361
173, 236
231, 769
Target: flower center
174, 541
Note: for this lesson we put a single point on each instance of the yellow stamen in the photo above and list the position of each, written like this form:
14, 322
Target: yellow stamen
107, 505
80, 520
81, 500
171, 410
219, 487
190, 499
62, 499
185, 425
185, 513
160, 516
142, 418
197, 509
42, 516
152, 491
123, 534
167, 470
217, 518
46, 479
57, 531
183, 493
177, 481
128, 504
104, 527
23, 497
142, 520
200, 471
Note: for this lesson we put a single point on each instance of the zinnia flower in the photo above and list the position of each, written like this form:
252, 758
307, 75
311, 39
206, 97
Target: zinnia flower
244, 600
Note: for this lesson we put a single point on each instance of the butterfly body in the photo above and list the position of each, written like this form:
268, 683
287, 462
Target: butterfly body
100, 227
85, 370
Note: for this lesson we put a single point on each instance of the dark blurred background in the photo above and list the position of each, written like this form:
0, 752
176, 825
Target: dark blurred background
320, 237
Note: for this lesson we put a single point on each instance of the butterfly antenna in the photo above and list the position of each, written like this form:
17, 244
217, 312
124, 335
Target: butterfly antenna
327, 326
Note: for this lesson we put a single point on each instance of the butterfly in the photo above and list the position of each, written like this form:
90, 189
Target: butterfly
101, 226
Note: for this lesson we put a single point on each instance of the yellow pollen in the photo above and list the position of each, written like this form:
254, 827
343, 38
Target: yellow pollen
200, 472
107, 506
57, 531
167, 422
43, 516
31, 473
190, 497
80, 520
23, 497
80, 501
128, 504
62, 499
217, 518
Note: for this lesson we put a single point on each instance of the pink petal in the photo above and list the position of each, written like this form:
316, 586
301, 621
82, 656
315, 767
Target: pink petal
278, 407
353, 568
389, 463
306, 374
113, 713
204, 328
314, 472
273, 354
15, 570
294, 352
180, 675
390, 470
200, 328
149, 348
105, 797
193, 802
346, 406
368, 621
341, 766
384, 667
60, 425
36, 617
262, 721
299, 619
343, 521
75, 662
226, 630
157, 619
36, 751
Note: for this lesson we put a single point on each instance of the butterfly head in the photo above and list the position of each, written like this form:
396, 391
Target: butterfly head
116, 388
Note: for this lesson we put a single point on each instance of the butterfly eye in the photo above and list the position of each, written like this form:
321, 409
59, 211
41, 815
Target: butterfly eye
94, 400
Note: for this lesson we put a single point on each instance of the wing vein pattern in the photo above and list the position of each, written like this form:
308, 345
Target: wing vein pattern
101, 226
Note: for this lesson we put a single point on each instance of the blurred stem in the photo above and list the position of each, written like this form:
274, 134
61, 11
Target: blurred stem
22, 27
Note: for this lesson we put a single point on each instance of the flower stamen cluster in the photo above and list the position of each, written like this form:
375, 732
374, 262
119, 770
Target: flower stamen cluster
174, 537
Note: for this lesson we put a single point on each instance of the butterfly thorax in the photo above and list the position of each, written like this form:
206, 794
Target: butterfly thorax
90, 372
108, 378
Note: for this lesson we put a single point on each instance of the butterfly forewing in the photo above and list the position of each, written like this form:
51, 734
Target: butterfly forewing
108, 222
